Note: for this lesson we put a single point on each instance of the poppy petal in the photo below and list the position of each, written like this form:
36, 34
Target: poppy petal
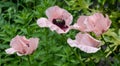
84, 42
82, 47
33, 44
43, 22
10, 51
54, 12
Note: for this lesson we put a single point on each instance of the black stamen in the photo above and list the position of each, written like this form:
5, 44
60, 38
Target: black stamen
60, 23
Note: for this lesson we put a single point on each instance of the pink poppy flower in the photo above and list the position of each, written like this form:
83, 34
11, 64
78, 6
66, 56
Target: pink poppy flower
85, 42
96, 23
102, 23
22, 46
59, 20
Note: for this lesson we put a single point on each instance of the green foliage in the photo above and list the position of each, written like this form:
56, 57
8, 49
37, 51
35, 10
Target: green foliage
18, 17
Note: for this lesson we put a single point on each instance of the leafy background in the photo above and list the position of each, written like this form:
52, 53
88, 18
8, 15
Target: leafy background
18, 17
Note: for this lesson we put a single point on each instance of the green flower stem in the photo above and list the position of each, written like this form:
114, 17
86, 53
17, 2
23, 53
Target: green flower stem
108, 46
29, 60
77, 56
111, 52
20, 60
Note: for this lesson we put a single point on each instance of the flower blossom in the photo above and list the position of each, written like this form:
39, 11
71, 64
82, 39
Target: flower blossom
22, 46
58, 20
96, 23
85, 42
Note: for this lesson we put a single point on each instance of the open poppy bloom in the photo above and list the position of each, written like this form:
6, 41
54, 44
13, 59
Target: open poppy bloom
85, 42
58, 20
96, 23
22, 46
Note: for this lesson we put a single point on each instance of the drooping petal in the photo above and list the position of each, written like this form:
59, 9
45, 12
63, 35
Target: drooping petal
10, 51
84, 48
86, 39
85, 42
88, 49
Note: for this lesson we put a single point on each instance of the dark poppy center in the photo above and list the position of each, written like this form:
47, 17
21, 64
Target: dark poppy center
60, 23
28, 45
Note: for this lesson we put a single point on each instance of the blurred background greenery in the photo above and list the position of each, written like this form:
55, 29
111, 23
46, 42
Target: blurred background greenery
18, 17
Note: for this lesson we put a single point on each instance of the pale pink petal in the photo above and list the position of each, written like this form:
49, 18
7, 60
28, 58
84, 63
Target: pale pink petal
16, 43
88, 49
90, 23
97, 23
102, 24
67, 17
80, 22
43, 22
33, 44
85, 42
85, 48
72, 43
108, 23
23, 41
75, 26
54, 12
57, 12
88, 40
83, 24
99, 29
10, 51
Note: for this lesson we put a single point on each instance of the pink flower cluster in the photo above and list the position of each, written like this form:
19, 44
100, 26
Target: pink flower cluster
59, 20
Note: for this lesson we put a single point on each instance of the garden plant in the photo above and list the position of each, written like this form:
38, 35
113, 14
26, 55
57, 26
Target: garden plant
59, 32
